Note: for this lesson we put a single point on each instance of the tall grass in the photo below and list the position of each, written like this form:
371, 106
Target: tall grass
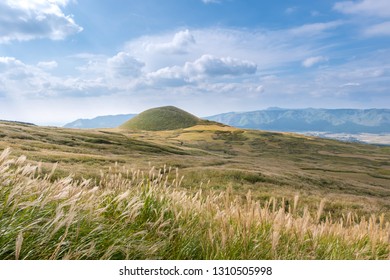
136, 215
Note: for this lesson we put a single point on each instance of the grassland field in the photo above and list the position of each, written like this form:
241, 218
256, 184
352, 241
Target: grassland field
339, 177
349, 175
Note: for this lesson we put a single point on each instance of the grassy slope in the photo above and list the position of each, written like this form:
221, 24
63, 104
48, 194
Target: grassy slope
212, 158
148, 216
351, 176
162, 118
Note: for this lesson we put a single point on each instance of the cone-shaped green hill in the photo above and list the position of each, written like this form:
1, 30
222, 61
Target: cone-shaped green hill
162, 118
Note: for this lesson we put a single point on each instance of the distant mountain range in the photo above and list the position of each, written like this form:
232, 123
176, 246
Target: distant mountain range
109, 121
301, 120
278, 119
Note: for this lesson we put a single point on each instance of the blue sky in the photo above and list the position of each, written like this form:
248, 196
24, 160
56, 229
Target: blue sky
65, 59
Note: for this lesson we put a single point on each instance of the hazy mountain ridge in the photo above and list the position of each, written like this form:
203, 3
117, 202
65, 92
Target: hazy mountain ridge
324, 120
278, 119
109, 121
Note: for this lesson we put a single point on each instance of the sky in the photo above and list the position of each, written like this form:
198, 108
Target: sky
61, 60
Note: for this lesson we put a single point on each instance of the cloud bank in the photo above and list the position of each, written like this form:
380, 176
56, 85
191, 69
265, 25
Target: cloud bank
124, 65
27, 20
209, 65
371, 15
180, 43
376, 8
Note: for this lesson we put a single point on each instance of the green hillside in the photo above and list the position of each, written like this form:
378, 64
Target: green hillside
162, 118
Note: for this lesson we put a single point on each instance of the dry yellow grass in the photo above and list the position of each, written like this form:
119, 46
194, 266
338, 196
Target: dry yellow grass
129, 214
212, 127
352, 177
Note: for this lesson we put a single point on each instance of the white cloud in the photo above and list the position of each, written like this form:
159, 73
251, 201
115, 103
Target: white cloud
164, 50
123, 65
6, 61
47, 64
238, 89
350, 85
380, 29
197, 59
376, 8
26, 20
314, 28
168, 77
179, 45
19, 79
108, 74
360, 80
209, 65
231, 64
311, 61
369, 15
362, 72
267, 48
